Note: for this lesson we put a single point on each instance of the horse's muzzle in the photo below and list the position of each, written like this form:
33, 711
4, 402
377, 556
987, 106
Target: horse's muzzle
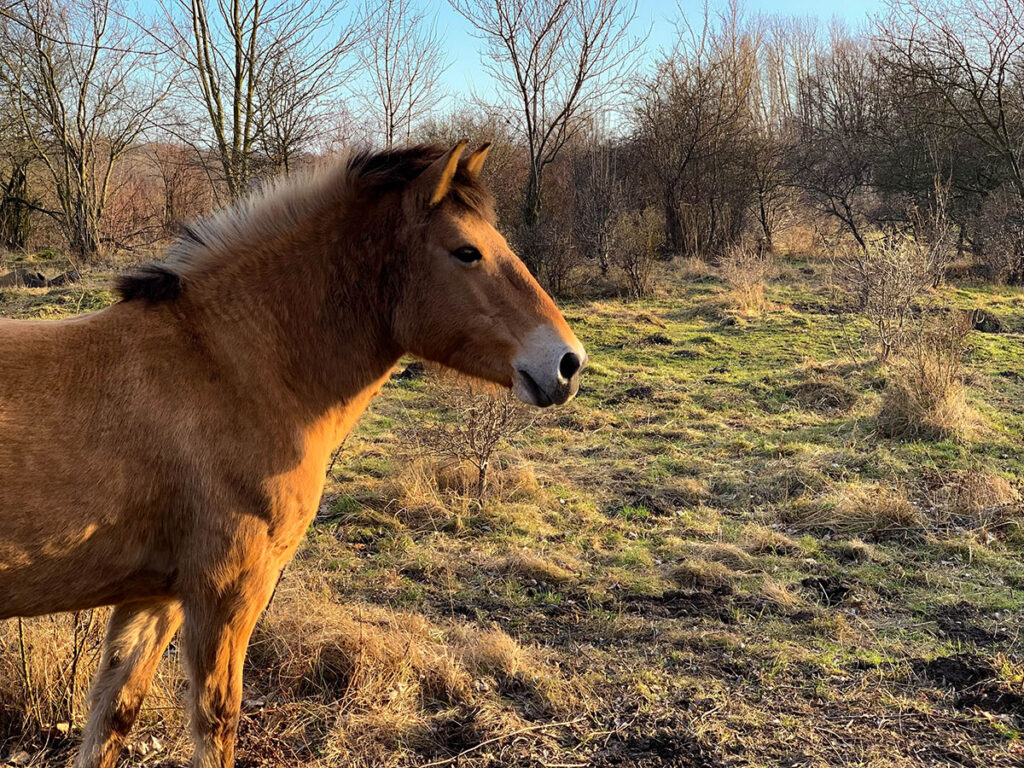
547, 372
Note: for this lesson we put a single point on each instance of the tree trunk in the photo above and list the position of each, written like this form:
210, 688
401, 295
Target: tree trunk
14, 211
673, 225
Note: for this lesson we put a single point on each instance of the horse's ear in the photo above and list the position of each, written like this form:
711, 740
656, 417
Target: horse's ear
475, 162
434, 183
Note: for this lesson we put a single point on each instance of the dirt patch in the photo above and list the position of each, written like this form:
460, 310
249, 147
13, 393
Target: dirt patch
829, 590
960, 671
959, 622
642, 392
975, 679
657, 339
666, 740
994, 697
679, 603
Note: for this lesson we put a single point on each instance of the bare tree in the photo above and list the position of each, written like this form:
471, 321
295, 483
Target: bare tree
78, 77
692, 118
556, 64
253, 69
970, 54
404, 58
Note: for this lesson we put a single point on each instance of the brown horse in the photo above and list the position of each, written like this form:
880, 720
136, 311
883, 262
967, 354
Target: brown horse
166, 454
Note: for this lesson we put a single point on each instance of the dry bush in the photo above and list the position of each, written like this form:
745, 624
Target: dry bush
885, 279
925, 394
1001, 232
745, 269
698, 573
477, 420
635, 246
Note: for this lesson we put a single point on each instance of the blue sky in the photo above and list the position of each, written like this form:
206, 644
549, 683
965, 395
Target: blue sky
658, 16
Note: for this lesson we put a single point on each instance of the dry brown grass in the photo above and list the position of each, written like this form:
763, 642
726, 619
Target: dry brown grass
525, 564
856, 551
919, 401
872, 507
432, 494
694, 268
925, 394
46, 666
746, 270
761, 540
697, 573
824, 393
727, 554
780, 595
362, 685
982, 500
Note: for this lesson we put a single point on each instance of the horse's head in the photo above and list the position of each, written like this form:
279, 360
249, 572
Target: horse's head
466, 300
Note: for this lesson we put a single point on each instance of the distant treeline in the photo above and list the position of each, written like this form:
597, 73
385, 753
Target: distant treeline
113, 130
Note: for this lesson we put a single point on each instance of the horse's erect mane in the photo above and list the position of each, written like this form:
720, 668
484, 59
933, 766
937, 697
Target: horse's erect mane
283, 205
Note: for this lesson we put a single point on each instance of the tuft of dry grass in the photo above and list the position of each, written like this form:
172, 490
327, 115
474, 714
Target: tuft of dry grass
529, 565
695, 268
698, 573
925, 395
761, 540
824, 393
982, 500
727, 554
864, 507
919, 401
780, 595
745, 270
856, 551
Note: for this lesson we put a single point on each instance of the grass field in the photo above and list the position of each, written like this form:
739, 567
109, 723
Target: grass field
709, 558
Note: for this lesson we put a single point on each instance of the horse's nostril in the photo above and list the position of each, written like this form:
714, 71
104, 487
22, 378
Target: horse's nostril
569, 366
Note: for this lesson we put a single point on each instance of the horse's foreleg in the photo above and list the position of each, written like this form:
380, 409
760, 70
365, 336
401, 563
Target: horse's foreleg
217, 631
136, 638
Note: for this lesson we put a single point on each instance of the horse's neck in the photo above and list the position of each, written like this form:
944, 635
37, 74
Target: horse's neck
307, 319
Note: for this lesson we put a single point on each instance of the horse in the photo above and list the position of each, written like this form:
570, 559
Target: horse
165, 455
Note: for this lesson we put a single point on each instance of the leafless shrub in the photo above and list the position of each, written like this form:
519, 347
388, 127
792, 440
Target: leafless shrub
1001, 234
477, 421
884, 280
746, 269
925, 396
636, 242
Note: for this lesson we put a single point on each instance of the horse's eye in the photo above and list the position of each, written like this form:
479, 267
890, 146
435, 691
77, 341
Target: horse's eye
467, 255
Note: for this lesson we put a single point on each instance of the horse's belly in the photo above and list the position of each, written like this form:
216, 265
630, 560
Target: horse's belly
76, 573
63, 550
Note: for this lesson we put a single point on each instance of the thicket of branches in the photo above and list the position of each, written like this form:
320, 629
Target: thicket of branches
113, 129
